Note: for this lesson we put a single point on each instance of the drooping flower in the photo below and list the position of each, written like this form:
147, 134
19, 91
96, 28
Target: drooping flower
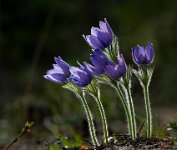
100, 37
80, 76
116, 71
99, 61
60, 71
143, 55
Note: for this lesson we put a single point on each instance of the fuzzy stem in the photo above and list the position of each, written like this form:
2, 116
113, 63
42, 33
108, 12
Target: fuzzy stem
103, 115
148, 110
126, 108
132, 110
89, 119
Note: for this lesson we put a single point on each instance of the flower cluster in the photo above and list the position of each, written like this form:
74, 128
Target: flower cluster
109, 65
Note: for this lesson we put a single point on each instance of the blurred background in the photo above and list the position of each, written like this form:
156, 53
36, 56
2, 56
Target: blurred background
32, 32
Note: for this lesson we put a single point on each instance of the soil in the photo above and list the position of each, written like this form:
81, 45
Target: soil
123, 142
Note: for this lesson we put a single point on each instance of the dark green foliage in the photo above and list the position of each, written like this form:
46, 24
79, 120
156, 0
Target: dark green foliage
173, 125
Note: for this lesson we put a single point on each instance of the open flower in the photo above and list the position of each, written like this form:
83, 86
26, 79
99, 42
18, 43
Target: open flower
59, 73
143, 55
99, 61
100, 37
80, 76
116, 71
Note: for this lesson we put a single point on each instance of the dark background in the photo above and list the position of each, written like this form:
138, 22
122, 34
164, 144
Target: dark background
32, 32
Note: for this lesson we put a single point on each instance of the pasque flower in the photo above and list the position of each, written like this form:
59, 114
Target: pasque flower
100, 37
114, 70
80, 76
143, 55
60, 71
99, 61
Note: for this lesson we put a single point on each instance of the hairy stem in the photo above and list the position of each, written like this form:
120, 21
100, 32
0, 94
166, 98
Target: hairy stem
126, 108
148, 111
103, 115
90, 120
132, 111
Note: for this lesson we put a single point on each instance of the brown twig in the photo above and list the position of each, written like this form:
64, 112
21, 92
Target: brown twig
87, 140
26, 129
139, 132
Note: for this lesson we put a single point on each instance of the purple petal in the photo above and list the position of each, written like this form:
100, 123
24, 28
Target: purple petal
94, 31
138, 54
58, 69
98, 59
57, 78
93, 70
62, 64
149, 52
104, 26
93, 42
122, 64
74, 72
114, 71
77, 82
84, 77
82, 67
54, 71
81, 75
117, 70
103, 37
50, 78
121, 60
110, 71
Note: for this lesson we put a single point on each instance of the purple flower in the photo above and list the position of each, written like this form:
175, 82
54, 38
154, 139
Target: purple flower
100, 37
116, 71
59, 73
80, 76
93, 70
99, 61
143, 56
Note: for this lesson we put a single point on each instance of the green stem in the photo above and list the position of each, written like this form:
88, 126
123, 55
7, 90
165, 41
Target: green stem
126, 108
132, 110
90, 120
103, 115
148, 111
